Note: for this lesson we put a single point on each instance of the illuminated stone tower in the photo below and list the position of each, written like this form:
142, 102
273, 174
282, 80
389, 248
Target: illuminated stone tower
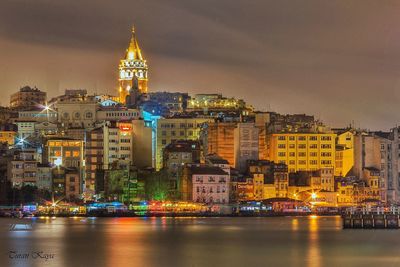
132, 65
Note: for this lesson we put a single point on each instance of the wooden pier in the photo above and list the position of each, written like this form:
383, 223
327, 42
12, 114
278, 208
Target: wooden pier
378, 219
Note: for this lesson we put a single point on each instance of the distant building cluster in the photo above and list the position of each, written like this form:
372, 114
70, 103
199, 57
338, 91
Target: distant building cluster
204, 148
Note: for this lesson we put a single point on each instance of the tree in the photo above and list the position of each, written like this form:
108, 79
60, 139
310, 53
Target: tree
157, 185
115, 183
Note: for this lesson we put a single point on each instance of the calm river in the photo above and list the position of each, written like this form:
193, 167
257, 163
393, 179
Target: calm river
114, 242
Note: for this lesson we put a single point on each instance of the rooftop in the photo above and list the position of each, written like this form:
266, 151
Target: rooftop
206, 169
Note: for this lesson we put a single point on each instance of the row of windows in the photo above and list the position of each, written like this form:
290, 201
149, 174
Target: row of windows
203, 189
211, 179
67, 153
6, 135
304, 146
211, 200
303, 138
304, 162
304, 154
119, 114
181, 125
173, 133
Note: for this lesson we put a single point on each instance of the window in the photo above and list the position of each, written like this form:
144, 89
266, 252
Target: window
281, 154
88, 115
313, 138
301, 138
302, 146
75, 153
163, 142
281, 137
281, 146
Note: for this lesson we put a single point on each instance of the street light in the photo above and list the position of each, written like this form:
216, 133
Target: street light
314, 196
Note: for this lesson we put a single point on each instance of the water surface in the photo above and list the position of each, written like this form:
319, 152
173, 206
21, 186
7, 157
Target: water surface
283, 241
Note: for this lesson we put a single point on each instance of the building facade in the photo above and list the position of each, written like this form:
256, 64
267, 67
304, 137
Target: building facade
302, 151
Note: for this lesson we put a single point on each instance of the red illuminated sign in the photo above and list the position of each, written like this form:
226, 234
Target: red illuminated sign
125, 127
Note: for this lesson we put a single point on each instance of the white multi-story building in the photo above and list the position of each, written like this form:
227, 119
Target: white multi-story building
118, 143
210, 184
245, 144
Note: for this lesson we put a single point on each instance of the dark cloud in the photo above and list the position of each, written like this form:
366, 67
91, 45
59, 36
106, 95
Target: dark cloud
339, 60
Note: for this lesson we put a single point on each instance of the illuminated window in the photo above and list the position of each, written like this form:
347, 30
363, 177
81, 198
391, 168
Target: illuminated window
68, 153
75, 153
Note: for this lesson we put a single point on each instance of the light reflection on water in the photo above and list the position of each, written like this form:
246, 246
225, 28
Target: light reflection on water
283, 241
313, 256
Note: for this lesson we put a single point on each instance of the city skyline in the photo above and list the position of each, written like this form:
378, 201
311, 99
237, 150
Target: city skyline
306, 47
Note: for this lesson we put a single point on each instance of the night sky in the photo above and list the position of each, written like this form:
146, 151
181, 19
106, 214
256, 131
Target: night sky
338, 60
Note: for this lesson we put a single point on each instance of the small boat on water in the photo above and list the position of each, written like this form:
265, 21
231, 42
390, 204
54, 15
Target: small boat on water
21, 227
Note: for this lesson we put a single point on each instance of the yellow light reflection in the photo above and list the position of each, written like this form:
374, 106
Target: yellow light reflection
314, 253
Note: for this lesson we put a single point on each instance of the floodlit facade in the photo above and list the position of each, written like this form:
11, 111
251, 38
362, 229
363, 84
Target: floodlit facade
344, 157
64, 152
302, 151
131, 66
219, 139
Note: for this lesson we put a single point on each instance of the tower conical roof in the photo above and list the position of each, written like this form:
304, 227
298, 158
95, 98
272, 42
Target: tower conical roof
133, 52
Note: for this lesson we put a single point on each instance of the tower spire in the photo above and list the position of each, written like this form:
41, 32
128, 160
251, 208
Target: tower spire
132, 69
133, 51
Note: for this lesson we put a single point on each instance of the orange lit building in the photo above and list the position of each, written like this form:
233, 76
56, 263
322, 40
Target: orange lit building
220, 140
